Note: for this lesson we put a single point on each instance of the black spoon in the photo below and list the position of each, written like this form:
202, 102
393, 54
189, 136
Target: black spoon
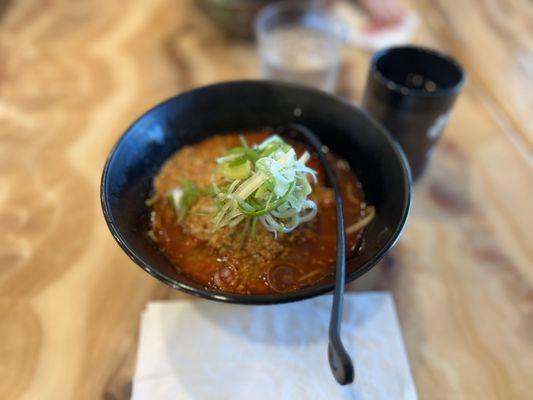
339, 359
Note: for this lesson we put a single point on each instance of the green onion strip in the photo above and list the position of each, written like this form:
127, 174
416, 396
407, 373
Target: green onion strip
266, 183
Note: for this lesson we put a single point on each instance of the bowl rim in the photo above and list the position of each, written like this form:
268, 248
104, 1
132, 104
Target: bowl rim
288, 297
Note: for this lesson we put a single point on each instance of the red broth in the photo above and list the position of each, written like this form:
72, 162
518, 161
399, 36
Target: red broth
231, 261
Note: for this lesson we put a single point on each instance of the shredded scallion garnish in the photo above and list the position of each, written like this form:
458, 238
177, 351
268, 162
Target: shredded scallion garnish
267, 183
183, 199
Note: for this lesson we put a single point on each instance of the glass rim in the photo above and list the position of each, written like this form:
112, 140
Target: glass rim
335, 24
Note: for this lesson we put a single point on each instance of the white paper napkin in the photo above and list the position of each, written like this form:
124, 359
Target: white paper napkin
206, 350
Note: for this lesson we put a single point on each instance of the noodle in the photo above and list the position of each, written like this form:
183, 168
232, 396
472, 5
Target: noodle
362, 222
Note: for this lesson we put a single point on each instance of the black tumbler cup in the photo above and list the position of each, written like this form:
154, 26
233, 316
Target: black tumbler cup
411, 90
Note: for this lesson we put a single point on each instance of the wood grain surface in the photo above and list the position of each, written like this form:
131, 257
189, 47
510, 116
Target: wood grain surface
74, 74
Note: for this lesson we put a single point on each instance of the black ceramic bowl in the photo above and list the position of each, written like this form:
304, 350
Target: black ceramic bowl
195, 115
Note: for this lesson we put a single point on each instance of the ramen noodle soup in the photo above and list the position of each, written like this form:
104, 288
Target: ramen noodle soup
251, 213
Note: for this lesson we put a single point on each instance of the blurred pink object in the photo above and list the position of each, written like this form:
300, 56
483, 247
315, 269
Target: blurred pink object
377, 23
383, 12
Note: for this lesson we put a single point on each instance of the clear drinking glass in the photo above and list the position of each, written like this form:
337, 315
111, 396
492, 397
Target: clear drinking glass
301, 44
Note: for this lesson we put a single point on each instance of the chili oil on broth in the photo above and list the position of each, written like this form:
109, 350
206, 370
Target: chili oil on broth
228, 259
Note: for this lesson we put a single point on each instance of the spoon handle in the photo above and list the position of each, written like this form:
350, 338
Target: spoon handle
339, 359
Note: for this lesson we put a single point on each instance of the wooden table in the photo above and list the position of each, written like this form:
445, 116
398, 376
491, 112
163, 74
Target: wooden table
74, 74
